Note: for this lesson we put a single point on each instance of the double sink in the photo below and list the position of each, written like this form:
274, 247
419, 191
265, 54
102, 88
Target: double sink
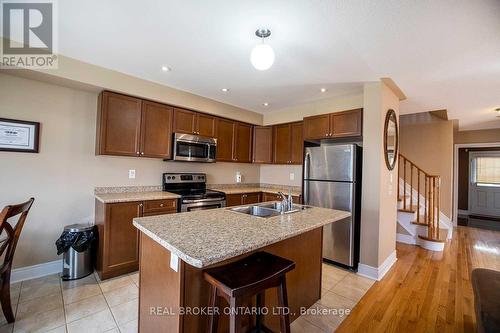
268, 209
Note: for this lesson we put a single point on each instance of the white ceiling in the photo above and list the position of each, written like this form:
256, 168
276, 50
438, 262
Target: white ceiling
444, 54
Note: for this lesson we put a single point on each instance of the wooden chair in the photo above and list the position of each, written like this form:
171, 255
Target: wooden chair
8, 248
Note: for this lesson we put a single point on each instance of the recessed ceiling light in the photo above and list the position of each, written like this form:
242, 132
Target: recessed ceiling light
225, 89
323, 89
498, 112
265, 104
166, 68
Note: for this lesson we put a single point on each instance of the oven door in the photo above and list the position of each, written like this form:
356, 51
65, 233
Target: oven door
194, 205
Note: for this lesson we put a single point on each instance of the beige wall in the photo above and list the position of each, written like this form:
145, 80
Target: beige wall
478, 136
72, 72
379, 195
280, 174
297, 113
63, 175
428, 142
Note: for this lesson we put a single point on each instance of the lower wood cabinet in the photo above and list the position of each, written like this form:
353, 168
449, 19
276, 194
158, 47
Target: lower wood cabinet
268, 196
254, 197
118, 239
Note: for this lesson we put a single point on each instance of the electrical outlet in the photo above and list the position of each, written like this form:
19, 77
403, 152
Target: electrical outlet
292, 176
238, 177
131, 174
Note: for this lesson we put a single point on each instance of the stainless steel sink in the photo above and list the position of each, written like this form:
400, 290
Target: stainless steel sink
268, 209
256, 211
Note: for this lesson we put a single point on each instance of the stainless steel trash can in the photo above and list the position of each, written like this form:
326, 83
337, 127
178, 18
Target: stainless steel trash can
76, 264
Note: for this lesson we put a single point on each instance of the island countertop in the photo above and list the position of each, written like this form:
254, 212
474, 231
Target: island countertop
206, 237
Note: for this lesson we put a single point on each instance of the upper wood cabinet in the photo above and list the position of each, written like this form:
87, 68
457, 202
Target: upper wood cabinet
288, 143
225, 139
317, 127
262, 144
129, 126
156, 130
191, 122
118, 125
243, 143
233, 141
347, 123
334, 125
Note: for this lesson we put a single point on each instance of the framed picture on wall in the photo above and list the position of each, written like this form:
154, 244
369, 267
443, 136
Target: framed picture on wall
19, 135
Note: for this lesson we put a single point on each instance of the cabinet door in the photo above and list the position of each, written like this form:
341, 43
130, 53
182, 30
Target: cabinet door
234, 200
205, 125
225, 140
121, 249
262, 144
156, 131
317, 127
184, 121
266, 196
119, 125
297, 143
282, 144
250, 198
243, 143
347, 123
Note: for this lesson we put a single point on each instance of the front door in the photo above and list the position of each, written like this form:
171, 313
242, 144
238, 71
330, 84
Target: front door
484, 189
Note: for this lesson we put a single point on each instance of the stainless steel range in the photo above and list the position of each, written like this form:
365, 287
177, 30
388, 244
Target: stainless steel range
192, 187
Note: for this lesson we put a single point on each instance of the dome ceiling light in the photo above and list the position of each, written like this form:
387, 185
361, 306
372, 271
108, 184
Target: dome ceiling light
262, 56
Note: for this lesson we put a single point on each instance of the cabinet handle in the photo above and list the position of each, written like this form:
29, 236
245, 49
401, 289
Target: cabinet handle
137, 153
161, 205
142, 153
140, 205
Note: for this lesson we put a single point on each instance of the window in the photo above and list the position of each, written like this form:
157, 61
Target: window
487, 170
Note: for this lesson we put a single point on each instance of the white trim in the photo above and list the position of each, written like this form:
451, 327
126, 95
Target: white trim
35, 271
407, 239
455, 170
377, 273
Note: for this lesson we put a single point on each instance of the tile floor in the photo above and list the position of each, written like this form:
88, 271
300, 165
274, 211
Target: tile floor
89, 305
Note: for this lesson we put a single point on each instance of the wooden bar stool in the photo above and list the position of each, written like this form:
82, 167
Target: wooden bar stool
245, 278
8, 248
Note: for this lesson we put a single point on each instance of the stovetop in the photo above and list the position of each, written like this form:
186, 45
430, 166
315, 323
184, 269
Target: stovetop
193, 194
190, 186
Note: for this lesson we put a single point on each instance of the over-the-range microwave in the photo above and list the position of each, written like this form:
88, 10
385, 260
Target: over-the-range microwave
194, 148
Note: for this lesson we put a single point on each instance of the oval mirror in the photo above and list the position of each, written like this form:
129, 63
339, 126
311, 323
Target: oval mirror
391, 139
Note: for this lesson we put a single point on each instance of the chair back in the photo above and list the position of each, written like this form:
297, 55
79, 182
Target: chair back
8, 246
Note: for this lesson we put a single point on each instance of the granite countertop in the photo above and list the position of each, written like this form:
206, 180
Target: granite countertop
247, 189
206, 237
134, 196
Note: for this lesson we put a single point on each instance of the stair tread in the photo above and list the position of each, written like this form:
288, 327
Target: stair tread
443, 235
409, 209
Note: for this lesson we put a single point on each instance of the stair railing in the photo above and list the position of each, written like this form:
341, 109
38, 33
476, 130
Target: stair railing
417, 179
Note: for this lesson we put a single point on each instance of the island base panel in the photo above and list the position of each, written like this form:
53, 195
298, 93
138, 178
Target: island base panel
160, 286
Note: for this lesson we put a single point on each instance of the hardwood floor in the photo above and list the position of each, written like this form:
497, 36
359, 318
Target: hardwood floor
428, 291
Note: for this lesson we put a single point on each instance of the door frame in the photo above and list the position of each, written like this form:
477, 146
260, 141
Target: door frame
456, 147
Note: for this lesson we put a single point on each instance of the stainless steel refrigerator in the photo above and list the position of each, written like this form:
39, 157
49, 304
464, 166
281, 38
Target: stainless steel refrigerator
332, 179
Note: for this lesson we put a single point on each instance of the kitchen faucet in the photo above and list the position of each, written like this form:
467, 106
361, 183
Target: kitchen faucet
286, 203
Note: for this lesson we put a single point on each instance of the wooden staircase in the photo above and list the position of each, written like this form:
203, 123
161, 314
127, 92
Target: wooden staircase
418, 195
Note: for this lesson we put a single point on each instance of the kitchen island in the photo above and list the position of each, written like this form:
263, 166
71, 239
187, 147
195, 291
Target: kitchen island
176, 248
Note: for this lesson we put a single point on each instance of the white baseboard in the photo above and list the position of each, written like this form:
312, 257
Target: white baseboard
35, 271
377, 273
407, 239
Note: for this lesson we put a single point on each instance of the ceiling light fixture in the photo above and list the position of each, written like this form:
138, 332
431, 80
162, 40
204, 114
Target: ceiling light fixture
323, 89
166, 68
262, 56
225, 89
498, 112
265, 104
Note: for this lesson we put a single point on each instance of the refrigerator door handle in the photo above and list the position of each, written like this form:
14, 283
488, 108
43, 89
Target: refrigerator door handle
307, 165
